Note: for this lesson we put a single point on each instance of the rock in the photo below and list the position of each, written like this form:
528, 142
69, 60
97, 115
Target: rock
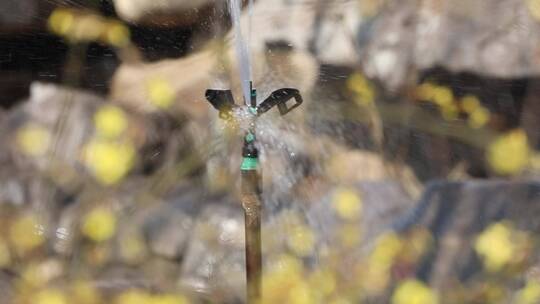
381, 203
214, 263
457, 212
167, 230
322, 28
489, 37
48, 105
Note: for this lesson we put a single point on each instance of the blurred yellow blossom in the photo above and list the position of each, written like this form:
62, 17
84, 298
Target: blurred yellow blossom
25, 235
387, 247
160, 93
370, 8
283, 274
375, 275
443, 96
324, 281
470, 103
99, 224
509, 153
450, 112
83, 26
117, 34
133, 296
87, 27
168, 299
495, 246
529, 294
38, 274
363, 89
479, 118
83, 292
300, 293
413, 292
416, 244
348, 204
33, 140
534, 8
61, 21
50, 296
110, 121
439, 95
425, 91
301, 240
5, 255
109, 161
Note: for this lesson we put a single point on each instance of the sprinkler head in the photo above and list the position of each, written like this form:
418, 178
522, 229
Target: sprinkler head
223, 101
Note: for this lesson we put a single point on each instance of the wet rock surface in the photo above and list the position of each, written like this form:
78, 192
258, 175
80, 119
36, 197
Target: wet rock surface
456, 213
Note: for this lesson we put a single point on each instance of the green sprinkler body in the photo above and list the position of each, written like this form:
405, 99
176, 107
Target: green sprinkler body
251, 178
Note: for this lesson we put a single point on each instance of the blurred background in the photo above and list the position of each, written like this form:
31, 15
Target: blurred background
410, 175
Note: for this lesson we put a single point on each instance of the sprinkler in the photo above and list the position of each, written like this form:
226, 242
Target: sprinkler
251, 177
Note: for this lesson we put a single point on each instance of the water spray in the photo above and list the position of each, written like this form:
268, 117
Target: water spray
251, 175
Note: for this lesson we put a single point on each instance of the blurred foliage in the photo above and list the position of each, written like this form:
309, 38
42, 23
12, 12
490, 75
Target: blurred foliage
303, 266
80, 26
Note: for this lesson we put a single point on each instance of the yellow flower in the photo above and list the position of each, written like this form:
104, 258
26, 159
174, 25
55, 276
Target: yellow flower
413, 292
61, 22
87, 27
495, 246
375, 276
416, 244
33, 140
387, 247
117, 34
300, 294
99, 225
323, 281
426, 91
168, 299
50, 296
109, 161
301, 240
470, 103
509, 154
449, 112
110, 121
348, 204
133, 296
443, 96
285, 273
160, 93
24, 234
534, 8
85, 293
530, 294
359, 85
479, 118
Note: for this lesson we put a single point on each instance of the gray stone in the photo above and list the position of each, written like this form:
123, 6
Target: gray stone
457, 212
